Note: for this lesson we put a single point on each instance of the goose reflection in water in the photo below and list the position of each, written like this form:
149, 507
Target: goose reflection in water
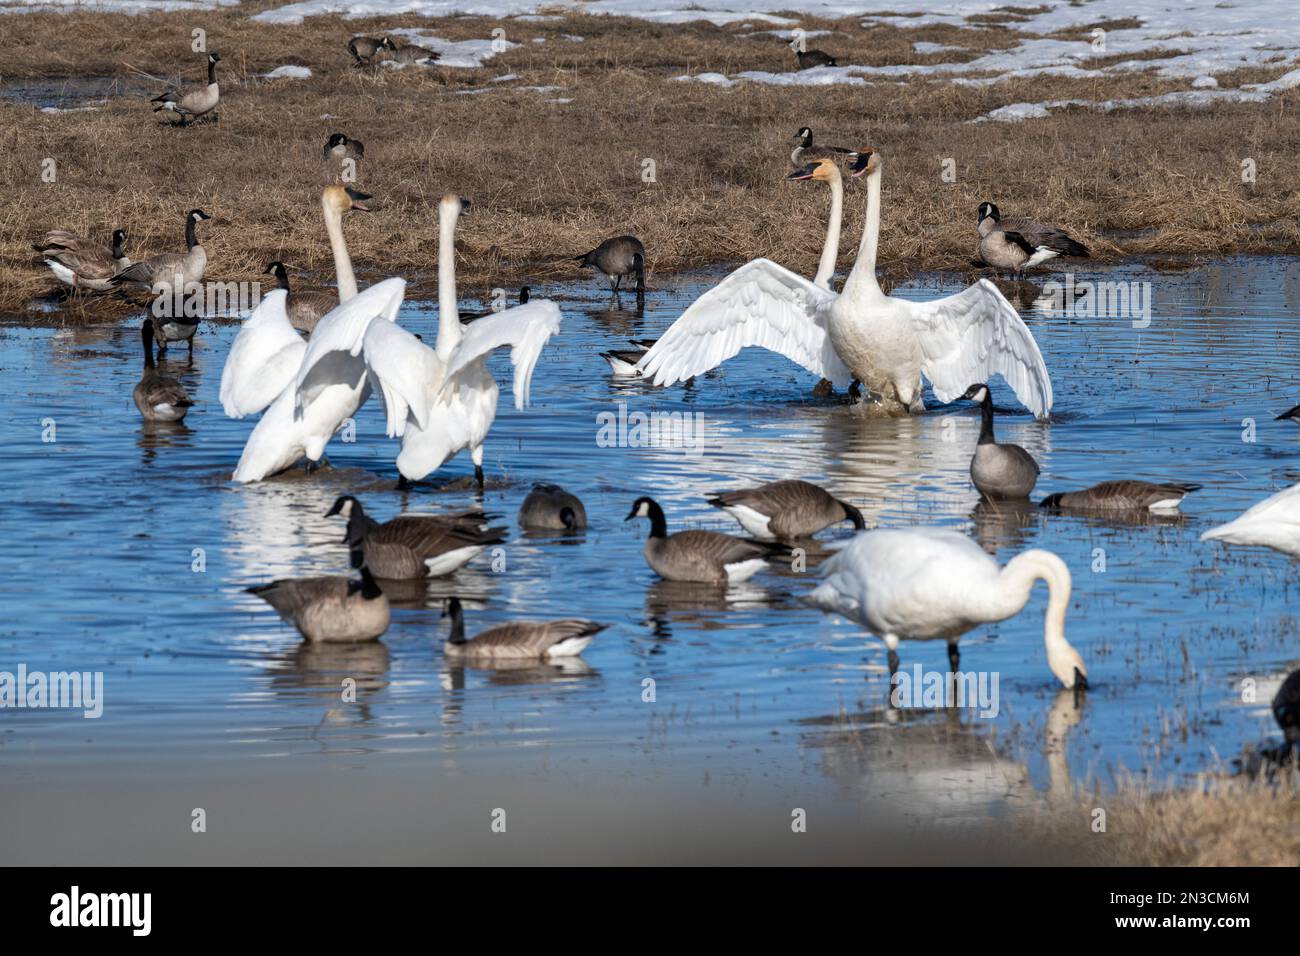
316, 672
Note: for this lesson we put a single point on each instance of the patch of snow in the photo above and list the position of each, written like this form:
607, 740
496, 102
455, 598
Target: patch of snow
506, 78
460, 54
717, 79
925, 48
288, 72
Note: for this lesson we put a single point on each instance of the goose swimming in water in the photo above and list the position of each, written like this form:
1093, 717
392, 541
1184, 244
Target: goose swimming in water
81, 263
1020, 244
518, 640
159, 397
550, 508
924, 584
414, 546
1272, 523
884, 342
998, 470
193, 103
330, 608
786, 510
1125, 495
704, 557
623, 362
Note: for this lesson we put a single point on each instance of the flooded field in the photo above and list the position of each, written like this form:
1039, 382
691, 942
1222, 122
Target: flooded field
128, 551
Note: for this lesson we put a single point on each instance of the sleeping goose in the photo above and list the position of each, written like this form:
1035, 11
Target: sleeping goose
414, 546
998, 470
805, 152
167, 276
705, 557
329, 608
785, 510
195, 102
518, 640
1123, 495
1272, 523
1019, 244
339, 146
618, 257
623, 362
925, 584
80, 263
159, 397
550, 508
810, 58
304, 306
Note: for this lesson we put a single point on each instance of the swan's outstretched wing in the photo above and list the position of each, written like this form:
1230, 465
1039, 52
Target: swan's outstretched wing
968, 337
263, 359
760, 304
403, 369
339, 336
525, 328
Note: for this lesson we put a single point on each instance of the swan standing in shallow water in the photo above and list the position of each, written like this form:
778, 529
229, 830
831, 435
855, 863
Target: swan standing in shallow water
1273, 523
442, 401
924, 584
884, 342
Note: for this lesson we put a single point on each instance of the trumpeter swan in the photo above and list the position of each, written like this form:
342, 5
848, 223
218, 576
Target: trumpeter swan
928, 583
442, 401
884, 342
1273, 523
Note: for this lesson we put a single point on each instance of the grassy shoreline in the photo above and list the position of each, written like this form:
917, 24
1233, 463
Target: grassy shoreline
550, 180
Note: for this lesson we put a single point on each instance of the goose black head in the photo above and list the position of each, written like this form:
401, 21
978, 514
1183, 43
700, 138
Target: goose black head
804, 137
119, 237
523, 295
335, 140
988, 211
451, 607
387, 44
977, 393
214, 57
642, 508
198, 215
278, 270
344, 505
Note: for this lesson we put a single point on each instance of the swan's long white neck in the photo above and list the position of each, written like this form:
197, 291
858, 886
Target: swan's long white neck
450, 331
831, 248
861, 284
342, 261
1017, 581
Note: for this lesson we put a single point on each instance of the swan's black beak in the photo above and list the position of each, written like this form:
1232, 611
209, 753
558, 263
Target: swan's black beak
805, 172
1080, 680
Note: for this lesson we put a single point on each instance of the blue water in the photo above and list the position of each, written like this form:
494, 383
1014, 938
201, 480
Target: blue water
755, 692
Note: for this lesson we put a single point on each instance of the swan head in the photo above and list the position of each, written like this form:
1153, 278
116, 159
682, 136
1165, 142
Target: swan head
988, 211
1067, 664
803, 137
822, 170
977, 393
341, 199
864, 162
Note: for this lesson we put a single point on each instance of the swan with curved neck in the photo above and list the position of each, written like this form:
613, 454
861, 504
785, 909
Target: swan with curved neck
928, 583
884, 342
335, 201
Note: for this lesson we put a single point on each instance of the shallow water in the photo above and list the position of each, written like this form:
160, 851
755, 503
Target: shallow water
761, 702
70, 92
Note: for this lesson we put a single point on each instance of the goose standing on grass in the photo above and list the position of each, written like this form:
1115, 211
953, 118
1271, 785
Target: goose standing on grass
303, 306
1122, 496
159, 397
442, 401
414, 546
786, 510
195, 102
805, 152
330, 608
263, 359
406, 53
810, 58
703, 557
884, 342
1273, 523
169, 276
998, 470
80, 263
616, 258
518, 640
363, 49
1020, 244
925, 584
550, 508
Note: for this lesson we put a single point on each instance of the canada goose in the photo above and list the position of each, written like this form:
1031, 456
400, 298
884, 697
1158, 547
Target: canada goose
998, 470
810, 58
442, 401
414, 546
170, 276
363, 49
518, 640
785, 510
1272, 523
195, 102
616, 258
1019, 244
330, 383
551, 508
159, 397
1123, 495
926, 583
80, 263
805, 152
623, 362
338, 146
304, 306
706, 557
331, 608
1291, 413
406, 53
1286, 707
885, 343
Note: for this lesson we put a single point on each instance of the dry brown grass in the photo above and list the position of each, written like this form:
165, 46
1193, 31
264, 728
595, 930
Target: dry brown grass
551, 180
